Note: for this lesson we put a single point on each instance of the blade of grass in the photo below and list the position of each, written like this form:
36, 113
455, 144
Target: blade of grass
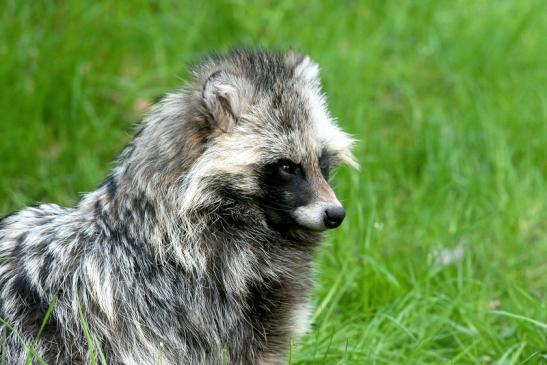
522, 318
87, 334
102, 358
50, 308
29, 348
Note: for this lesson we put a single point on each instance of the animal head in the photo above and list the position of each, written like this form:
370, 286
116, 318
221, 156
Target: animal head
253, 129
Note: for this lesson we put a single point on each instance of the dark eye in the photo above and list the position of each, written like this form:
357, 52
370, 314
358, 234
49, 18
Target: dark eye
288, 167
324, 164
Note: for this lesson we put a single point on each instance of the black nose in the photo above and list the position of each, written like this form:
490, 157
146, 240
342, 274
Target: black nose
334, 216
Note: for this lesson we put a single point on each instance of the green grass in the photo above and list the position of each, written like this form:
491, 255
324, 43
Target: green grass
443, 257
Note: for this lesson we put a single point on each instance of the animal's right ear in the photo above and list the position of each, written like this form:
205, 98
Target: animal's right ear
226, 97
303, 67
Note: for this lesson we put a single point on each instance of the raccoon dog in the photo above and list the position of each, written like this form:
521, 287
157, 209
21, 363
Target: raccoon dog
197, 248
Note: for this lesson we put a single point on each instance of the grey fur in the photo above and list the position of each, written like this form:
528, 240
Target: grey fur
173, 255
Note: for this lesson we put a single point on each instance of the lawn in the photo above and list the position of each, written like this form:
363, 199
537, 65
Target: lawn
443, 256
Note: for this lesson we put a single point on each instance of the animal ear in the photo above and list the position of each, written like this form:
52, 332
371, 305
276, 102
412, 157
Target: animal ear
303, 67
226, 97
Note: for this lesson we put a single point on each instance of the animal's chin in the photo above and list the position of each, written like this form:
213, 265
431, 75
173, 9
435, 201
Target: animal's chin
315, 224
288, 227
316, 229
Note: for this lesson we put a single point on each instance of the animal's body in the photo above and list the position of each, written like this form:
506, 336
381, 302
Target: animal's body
197, 248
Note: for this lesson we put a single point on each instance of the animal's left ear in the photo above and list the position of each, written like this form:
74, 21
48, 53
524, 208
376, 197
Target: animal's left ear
226, 97
303, 67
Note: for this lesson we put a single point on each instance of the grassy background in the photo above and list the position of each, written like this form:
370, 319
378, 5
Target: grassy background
443, 258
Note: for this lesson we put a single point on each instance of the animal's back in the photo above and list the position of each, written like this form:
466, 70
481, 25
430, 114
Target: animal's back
31, 242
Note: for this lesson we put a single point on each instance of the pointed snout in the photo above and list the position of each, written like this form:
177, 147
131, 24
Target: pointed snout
319, 216
333, 216
323, 212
